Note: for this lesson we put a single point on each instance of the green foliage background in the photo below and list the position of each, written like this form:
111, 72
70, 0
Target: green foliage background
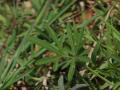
79, 58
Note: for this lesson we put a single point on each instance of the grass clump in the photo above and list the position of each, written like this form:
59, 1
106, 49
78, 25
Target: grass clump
59, 45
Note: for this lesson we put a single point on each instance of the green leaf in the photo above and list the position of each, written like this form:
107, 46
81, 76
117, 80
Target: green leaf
11, 41
67, 63
56, 65
42, 12
88, 35
82, 59
44, 44
52, 33
71, 70
62, 11
15, 77
4, 20
115, 33
116, 86
71, 41
47, 60
105, 85
37, 4
78, 37
95, 52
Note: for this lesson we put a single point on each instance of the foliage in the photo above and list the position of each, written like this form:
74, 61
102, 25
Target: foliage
45, 45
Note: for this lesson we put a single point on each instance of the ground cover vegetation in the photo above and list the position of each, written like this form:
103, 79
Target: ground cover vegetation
59, 45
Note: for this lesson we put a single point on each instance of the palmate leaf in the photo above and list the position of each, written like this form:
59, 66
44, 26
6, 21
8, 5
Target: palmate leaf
75, 38
8, 75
